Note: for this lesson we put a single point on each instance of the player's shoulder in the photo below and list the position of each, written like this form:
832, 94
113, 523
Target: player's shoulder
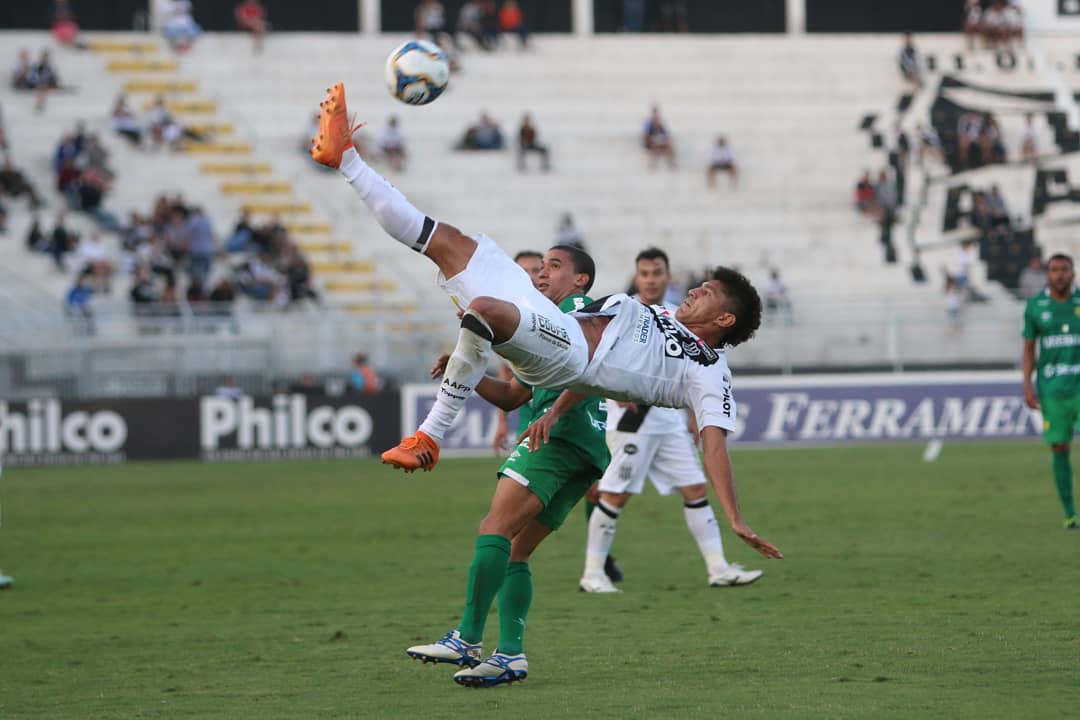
1042, 299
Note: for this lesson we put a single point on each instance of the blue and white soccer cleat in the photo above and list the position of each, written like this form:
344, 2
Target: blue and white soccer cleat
450, 648
499, 669
5, 581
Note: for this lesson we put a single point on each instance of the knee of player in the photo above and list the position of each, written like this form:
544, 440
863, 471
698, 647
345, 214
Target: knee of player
1060, 448
695, 493
615, 500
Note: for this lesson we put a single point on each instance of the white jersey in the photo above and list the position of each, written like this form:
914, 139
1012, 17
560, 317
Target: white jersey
648, 420
647, 356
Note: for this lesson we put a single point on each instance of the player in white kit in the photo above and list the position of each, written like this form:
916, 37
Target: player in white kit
625, 351
654, 442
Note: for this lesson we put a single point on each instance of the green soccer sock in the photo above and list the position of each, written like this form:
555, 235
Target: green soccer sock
486, 575
589, 507
1063, 480
515, 597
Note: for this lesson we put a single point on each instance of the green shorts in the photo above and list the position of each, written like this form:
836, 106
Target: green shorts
558, 473
1059, 418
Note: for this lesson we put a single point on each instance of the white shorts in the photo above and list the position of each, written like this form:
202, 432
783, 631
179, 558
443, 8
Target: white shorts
670, 460
548, 349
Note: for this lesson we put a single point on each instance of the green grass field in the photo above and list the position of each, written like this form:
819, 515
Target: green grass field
290, 590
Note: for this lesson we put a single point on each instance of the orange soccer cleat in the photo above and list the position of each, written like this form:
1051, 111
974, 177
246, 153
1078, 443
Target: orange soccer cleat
335, 129
415, 452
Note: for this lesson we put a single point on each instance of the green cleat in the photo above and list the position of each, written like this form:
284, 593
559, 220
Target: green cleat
1073, 523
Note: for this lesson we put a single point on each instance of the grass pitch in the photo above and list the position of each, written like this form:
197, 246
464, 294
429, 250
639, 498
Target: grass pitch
290, 590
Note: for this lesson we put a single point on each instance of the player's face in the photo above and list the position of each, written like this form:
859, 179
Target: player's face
651, 280
532, 265
705, 304
558, 280
1060, 276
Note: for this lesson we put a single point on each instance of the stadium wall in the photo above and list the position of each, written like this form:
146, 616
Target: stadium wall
544, 16
702, 16
92, 14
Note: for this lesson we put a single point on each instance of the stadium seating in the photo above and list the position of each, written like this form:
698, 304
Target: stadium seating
790, 107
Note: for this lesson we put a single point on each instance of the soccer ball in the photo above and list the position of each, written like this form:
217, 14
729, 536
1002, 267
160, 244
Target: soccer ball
417, 72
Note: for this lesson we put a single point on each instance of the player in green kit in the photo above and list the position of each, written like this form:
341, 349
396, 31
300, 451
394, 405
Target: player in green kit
536, 492
1052, 324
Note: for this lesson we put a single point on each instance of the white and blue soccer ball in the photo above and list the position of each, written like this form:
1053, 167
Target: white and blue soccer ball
417, 72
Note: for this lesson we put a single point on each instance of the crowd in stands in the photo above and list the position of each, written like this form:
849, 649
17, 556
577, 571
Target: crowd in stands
39, 77
158, 127
178, 25
484, 21
995, 25
83, 175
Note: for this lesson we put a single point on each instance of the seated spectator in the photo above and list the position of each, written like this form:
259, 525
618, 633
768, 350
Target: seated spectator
489, 20
61, 242
1028, 141
999, 211
865, 195
1032, 278
657, 141
910, 65
15, 184
298, 276
92, 261
251, 17
143, 291
968, 130
124, 122
512, 21
973, 27
77, 302
566, 233
44, 79
243, 235
721, 160
35, 238
363, 378
470, 22
529, 142
991, 142
93, 183
22, 78
485, 135
178, 26
201, 246
166, 129
673, 16
259, 280
776, 296
64, 28
392, 145
430, 19
967, 254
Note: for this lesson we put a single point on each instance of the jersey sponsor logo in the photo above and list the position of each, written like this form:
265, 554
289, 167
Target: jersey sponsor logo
678, 343
626, 472
551, 332
1050, 342
642, 328
1059, 369
726, 400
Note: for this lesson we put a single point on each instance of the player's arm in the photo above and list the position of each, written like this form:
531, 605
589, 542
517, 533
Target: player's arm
718, 468
505, 395
1027, 363
540, 431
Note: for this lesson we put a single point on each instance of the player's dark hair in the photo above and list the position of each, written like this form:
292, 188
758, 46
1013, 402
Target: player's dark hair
653, 253
1060, 256
529, 254
743, 302
582, 262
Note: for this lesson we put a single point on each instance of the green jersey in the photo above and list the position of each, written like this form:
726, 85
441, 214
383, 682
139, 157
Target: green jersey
1055, 328
584, 425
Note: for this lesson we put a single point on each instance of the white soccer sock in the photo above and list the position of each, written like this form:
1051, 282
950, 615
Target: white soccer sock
706, 531
464, 370
394, 212
601, 536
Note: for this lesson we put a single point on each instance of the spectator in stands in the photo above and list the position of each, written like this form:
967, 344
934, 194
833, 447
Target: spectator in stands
93, 183
512, 21
910, 64
967, 254
991, 142
999, 211
363, 378
124, 122
865, 196
44, 79
143, 291
77, 302
485, 135
776, 296
201, 245
954, 302
529, 142
298, 276
973, 27
177, 235
721, 160
1028, 140
470, 22
566, 233
490, 23
64, 28
259, 280
177, 24
92, 261
243, 235
968, 130
673, 16
430, 19
22, 78
392, 145
15, 184
1032, 278
251, 17
228, 388
61, 242
35, 238
657, 140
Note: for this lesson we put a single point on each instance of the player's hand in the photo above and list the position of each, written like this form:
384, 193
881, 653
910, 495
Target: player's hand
439, 367
632, 407
1031, 398
763, 546
540, 431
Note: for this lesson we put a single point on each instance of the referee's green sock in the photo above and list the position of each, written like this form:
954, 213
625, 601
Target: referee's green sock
515, 597
1063, 480
486, 575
